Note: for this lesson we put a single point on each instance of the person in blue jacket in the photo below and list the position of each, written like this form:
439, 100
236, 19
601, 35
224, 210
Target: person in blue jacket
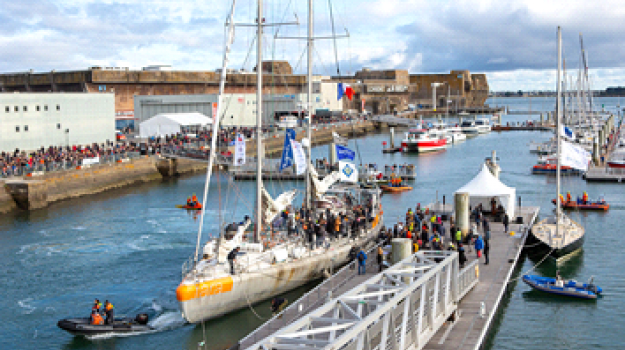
479, 245
362, 260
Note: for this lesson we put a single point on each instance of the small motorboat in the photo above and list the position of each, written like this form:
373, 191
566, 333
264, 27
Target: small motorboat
551, 169
83, 326
386, 188
569, 288
598, 205
198, 206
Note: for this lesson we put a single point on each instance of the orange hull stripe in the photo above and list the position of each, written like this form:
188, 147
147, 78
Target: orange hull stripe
186, 292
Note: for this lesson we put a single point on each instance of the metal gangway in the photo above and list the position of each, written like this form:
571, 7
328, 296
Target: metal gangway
399, 308
394, 121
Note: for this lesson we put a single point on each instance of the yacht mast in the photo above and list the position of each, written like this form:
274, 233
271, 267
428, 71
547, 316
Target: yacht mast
558, 112
310, 91
259, 109
213, 149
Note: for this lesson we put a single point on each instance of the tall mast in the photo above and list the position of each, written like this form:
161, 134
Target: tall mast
259, 109
310, 92
558, 111
213, 149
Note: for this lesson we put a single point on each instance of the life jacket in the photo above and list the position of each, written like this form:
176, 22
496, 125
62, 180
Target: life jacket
109, 307
96, 319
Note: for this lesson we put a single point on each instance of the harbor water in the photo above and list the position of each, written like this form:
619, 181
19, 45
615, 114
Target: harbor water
128, 246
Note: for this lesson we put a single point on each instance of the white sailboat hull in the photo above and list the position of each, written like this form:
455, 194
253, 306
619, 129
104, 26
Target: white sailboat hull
252, 287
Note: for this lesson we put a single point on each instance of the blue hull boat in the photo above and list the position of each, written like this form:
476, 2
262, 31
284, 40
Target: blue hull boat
570, 288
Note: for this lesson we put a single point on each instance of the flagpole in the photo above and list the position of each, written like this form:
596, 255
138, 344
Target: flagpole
310, 91
558, 111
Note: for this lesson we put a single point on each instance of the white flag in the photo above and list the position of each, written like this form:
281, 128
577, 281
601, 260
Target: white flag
348, 172
239, 150
299, 157
574, 156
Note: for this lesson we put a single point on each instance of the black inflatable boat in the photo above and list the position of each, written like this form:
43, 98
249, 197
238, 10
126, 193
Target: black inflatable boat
83, 326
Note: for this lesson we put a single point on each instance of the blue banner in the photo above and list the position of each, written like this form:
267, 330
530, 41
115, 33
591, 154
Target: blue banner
287, 151
344, 153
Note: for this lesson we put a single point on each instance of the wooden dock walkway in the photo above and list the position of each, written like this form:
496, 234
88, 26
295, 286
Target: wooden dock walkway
470, 329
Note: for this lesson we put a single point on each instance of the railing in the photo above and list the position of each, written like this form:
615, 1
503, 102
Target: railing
312, 299
468, 277
402, 307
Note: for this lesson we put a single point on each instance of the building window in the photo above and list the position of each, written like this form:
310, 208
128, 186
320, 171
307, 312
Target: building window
45, 108
58, 126
58, 107
25, 127
38, 108
25, 109
17, 129
7, 109
17, 109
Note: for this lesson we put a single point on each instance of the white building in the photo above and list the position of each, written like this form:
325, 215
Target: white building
33, 120
239, 109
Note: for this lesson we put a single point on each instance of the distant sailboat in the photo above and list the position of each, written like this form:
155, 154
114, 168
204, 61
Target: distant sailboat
558, 235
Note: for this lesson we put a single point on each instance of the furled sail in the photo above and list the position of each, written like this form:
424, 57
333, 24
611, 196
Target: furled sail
321, 186
271, 208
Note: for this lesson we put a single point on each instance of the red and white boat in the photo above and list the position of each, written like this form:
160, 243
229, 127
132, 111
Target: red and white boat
617, 160
424, 140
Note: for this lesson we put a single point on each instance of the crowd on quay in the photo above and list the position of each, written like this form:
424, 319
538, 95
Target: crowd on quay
427, 231
20, 162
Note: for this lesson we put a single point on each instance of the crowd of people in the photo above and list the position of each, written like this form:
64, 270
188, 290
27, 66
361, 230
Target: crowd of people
19, 162
427, 231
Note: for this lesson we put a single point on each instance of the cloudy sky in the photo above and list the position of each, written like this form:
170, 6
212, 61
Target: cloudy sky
513, 42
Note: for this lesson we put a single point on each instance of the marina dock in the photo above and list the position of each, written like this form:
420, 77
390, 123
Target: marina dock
443, 306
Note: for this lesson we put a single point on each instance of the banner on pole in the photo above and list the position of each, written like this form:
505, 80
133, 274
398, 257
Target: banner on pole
214, 112
348, 172
574, 156
299, 157
287, 151
344, 153
239, 150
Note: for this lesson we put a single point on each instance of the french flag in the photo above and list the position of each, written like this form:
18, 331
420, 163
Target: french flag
345, 89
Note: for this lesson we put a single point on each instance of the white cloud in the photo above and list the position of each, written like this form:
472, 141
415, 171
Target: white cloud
512, 41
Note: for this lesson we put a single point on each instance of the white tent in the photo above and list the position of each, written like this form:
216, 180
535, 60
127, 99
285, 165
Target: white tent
170, 123
484, 187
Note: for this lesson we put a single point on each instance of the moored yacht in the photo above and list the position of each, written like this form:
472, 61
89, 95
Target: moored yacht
482, 125
455, 134
469, 127
424, 140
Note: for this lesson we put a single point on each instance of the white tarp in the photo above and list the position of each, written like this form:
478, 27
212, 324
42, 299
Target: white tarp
170, 123
484, 187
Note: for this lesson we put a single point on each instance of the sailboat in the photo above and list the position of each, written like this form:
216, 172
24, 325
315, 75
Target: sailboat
557, 235
271, 262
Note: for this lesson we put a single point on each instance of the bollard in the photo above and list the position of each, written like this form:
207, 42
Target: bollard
462, 212
401, 249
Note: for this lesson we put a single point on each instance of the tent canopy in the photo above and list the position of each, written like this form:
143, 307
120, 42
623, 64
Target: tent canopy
170, 123
485, 186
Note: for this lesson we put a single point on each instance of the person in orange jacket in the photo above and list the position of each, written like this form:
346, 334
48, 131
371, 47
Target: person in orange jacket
96, 318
